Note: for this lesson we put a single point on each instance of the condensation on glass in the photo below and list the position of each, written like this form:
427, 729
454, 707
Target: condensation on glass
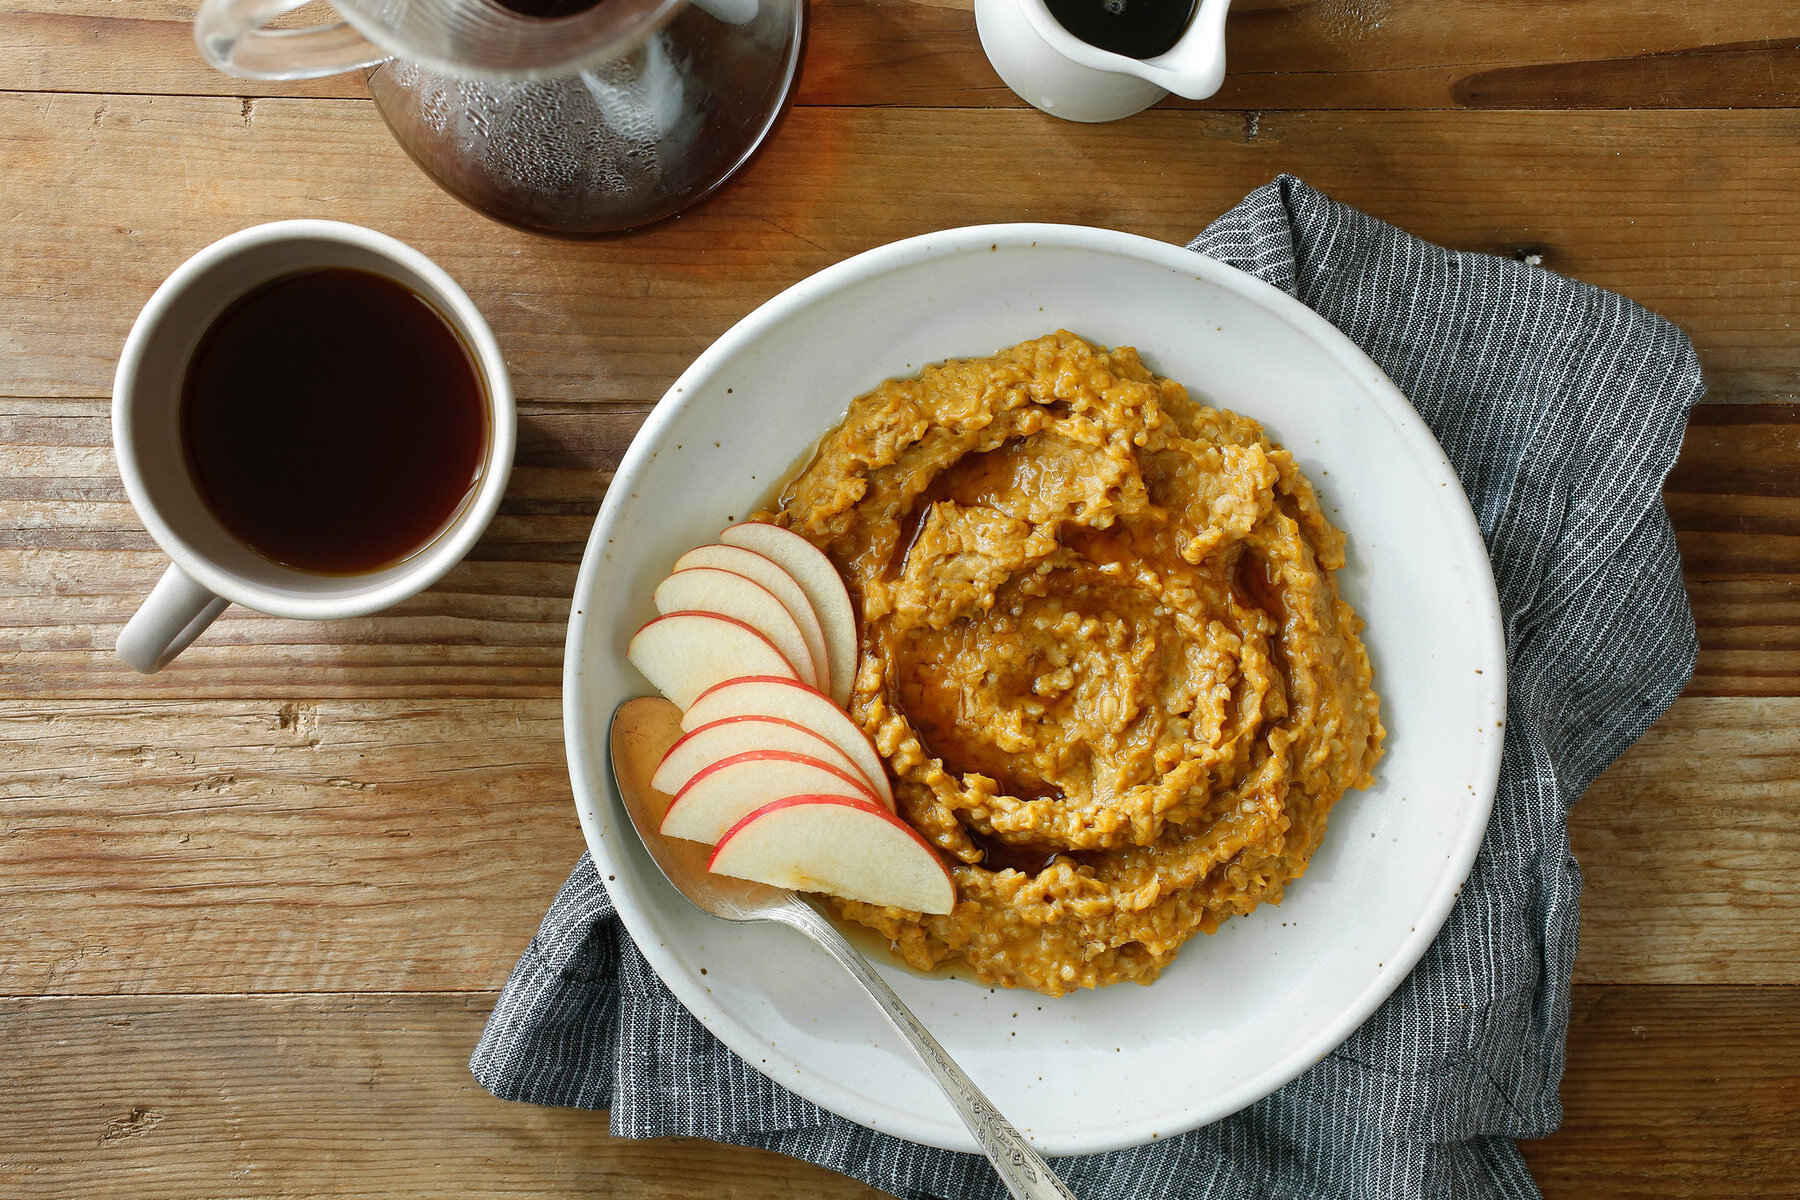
565, 118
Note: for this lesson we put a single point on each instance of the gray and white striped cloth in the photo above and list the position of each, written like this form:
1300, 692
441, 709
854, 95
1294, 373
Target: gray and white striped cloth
1562, 407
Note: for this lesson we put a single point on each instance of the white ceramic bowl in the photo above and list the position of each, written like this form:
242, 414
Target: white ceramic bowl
1239, 1013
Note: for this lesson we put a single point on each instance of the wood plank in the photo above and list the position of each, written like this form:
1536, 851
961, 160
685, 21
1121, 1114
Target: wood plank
178, 847
1749, 634
1676, 1092
396, 845
1690, 849
1283, 55
75, 561
368, 1096
1735, 493
1689, 213
53, 46
357, 1096
1734, 496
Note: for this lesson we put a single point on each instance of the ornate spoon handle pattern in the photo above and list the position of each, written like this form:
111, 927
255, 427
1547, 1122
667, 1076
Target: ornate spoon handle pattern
1026, 1175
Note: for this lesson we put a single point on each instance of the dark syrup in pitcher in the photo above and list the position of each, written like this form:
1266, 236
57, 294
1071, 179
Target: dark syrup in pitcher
1134, 28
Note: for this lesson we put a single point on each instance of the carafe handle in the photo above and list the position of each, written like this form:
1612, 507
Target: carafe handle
233, 36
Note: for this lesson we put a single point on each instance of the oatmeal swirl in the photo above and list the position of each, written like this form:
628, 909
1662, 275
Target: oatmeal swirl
1101, 652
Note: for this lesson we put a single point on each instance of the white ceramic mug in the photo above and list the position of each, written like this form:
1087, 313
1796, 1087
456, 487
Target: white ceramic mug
212, 568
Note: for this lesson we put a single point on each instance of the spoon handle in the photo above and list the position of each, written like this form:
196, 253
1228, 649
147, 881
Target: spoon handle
1026, 1175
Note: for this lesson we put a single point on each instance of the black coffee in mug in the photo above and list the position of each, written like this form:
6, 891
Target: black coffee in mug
333, 420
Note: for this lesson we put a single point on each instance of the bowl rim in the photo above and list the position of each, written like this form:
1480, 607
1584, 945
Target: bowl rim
590, 776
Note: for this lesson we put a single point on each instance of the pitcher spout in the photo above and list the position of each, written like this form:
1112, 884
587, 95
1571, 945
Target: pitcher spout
1194, 67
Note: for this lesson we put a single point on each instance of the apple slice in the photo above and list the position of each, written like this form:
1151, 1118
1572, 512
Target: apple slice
787, 700
824, 589
683, 654
718, 796
740, 735
766, 571
708, 589
833, 844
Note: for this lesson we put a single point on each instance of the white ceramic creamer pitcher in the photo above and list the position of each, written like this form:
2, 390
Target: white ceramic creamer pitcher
1053, 70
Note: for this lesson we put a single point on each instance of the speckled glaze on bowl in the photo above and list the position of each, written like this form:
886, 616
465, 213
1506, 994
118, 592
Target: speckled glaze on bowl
1239, 1013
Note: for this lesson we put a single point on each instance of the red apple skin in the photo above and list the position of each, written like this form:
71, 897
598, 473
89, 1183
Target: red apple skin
882, 786
819, 798
702, 821
825, 745
824, 588
757, 679
802, 662
858, 786
752, 631
874, 810
772, 575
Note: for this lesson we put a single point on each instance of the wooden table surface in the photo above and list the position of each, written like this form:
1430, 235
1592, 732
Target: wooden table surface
257, 907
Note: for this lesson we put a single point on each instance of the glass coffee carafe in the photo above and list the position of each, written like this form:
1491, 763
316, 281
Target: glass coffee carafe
572, 117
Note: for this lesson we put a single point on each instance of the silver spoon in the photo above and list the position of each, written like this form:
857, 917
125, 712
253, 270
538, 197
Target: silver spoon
642, 730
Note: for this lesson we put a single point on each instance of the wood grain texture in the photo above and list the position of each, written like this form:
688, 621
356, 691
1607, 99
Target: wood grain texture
143, 47
1283, 55
1735, 493
188, 1097
396, 845
75, 562
1689, 213
1749, 633
1690, 849
277, 847
1734, 496
180, 1098
1676, 1092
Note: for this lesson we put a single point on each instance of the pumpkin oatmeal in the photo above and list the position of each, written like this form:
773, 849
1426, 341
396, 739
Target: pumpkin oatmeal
1101, 651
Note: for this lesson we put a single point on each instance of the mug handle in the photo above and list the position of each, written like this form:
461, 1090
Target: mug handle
232, 37
176, 611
